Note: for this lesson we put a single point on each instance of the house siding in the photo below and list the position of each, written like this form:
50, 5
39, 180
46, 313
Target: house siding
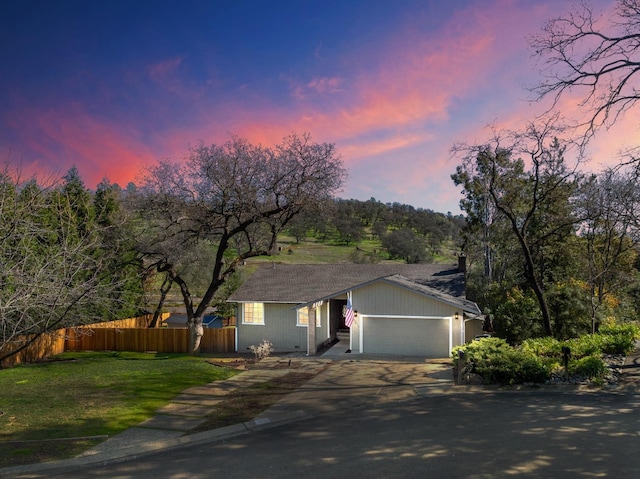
400, 320
386, 299
279, 328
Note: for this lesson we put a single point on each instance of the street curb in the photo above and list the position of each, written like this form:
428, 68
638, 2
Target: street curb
138, 451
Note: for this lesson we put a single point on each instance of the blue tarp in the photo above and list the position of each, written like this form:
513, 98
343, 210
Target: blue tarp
209, 321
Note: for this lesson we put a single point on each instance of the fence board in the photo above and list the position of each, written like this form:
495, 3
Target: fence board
164, 340
56, 342
48, 344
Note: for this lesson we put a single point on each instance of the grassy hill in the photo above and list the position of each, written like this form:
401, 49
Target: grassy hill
313, 251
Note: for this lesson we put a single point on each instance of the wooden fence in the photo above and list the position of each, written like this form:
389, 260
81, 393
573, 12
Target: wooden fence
129, 334
162, 340
45, 346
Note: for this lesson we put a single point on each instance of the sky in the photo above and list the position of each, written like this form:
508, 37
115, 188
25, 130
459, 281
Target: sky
115, 86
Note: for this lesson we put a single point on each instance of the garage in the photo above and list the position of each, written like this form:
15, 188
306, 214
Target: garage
406, 336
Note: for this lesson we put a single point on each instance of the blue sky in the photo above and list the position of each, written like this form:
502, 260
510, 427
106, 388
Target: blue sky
115, 86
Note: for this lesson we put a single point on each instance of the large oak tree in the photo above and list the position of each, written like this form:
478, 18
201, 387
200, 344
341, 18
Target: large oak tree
232, 200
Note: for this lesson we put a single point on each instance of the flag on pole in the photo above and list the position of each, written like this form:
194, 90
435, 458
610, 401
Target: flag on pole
349, 314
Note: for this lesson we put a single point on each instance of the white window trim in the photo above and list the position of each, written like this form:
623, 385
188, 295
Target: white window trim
254, 323
303, 325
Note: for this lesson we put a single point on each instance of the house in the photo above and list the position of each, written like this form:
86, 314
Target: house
398, 308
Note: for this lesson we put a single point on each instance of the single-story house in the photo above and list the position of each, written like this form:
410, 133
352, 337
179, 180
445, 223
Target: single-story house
397, 308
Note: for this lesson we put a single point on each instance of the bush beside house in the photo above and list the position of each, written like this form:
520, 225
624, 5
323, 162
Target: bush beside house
493, 361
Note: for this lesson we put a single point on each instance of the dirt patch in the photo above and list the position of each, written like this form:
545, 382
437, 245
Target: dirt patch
233, 363
251, 363
245, 404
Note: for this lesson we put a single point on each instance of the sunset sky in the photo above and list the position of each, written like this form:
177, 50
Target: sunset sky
113, 86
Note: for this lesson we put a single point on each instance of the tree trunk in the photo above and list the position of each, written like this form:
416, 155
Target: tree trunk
530, 271
164, 290
536, 286
196, 331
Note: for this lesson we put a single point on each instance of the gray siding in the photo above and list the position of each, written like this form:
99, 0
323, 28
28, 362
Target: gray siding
279, 328
386, 299
403, 332
322, 333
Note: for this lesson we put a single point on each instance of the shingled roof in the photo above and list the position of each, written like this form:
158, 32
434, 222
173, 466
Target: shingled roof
302, 283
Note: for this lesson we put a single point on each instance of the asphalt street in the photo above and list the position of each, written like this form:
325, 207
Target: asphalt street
545, 434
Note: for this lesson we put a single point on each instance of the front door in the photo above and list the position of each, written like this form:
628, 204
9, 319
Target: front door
337, 307
341, 306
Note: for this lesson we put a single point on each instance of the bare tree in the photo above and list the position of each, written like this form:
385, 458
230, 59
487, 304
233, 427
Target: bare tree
52, 274
594, 55
610, 206
234, 199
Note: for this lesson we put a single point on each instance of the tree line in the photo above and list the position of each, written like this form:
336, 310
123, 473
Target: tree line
66, 258
554, 251
405, 233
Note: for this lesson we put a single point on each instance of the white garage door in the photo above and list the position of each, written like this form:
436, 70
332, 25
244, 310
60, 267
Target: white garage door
417, 337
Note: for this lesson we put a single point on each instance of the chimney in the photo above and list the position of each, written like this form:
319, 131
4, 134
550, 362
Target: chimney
462, 262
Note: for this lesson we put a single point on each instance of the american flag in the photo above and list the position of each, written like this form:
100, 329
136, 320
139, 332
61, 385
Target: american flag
349, 315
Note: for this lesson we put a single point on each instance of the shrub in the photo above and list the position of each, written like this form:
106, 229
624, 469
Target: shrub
262, 350
589, 366
499, 363
618, 338
513, 367
479, 349
547, 347
587, 345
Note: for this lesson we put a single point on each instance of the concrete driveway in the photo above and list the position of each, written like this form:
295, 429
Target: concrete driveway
349, 383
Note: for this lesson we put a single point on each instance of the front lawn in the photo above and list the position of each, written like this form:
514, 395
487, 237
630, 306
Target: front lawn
79, 395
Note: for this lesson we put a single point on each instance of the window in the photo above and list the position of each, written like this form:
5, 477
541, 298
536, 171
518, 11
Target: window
303, 317
253, 313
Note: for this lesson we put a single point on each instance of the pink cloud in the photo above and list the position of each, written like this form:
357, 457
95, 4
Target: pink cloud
58, 139
325, 85
393, 115
418, 80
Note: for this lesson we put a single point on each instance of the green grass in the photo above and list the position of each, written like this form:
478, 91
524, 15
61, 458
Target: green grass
91, 394
312, 251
